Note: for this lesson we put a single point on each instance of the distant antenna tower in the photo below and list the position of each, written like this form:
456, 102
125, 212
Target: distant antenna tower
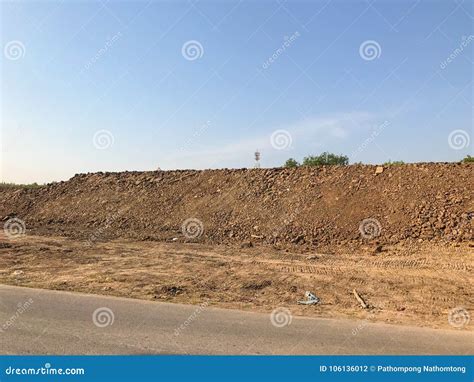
257, 159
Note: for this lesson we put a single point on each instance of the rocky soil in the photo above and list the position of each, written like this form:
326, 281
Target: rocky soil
308, 207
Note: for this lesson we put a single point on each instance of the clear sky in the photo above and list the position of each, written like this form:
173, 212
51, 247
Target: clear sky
136, 85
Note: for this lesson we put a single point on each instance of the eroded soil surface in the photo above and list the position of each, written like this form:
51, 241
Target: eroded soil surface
312, 207
416, 284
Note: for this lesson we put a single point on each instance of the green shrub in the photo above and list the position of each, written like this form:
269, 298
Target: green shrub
14, 185
325, 159
468, 159
394, 163
291, 163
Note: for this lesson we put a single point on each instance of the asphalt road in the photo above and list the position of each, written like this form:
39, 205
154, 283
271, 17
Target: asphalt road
34, 321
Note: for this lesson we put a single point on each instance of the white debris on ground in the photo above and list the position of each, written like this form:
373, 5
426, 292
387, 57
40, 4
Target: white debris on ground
311, 299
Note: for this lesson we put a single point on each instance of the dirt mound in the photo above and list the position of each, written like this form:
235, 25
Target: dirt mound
320, 206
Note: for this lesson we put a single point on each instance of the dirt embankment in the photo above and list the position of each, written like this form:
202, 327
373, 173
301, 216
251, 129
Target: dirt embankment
309, 207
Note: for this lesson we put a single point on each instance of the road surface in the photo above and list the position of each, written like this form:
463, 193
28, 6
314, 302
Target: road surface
35, 321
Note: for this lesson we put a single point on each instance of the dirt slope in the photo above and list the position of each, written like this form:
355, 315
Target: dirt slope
310, 207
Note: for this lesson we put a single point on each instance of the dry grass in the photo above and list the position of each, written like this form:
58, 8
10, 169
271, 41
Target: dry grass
416, 286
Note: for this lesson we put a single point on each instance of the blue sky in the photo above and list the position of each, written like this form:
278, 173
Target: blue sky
135, 85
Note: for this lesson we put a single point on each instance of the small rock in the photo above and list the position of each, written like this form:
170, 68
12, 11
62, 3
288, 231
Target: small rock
378, 249
246, 244
298, 239
379, 170
312, 257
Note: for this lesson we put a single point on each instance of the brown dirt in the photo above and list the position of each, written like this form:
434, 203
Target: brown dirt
268, 236
308, 207
416, 285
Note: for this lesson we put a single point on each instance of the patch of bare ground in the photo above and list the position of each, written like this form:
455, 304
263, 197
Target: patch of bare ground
405, 284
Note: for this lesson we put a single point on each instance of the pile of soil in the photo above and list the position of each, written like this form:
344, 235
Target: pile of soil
318, 206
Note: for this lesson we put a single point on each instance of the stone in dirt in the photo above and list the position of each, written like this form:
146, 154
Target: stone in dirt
378, 249
246, 244
324, 206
